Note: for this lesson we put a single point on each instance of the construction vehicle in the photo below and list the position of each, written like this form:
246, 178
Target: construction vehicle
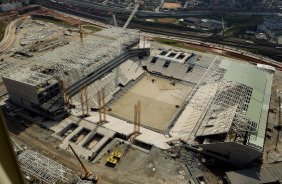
88, 175
114, 158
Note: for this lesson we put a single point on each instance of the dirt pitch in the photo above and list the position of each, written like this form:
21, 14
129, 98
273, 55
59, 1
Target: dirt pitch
171, 5
158, 101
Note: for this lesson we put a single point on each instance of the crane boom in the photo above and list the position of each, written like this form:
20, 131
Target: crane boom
132, 14
115, 20
81, 163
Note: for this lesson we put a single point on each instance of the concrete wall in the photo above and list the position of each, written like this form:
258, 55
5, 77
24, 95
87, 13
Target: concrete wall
231, 152
21, 90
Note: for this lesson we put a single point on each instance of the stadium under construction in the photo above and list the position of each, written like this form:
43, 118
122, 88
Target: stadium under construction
94, 89
216, 106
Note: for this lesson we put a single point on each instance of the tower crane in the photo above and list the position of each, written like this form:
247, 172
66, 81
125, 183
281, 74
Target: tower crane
88, 175
83, 33
138, 2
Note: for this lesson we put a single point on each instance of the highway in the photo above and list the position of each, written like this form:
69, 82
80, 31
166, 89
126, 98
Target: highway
104, 69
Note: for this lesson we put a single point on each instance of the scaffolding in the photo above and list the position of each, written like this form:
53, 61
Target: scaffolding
102, 106
84, 102
228, 107
46, 170
223, 104
137, 117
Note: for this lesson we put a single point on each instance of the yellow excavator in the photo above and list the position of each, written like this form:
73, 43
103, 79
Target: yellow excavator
88, 175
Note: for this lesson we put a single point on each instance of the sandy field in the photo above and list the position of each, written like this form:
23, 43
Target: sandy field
158, 101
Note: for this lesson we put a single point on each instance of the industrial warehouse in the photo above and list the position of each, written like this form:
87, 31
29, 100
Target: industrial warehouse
120, 101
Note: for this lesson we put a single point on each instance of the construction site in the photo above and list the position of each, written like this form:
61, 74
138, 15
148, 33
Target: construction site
85, 103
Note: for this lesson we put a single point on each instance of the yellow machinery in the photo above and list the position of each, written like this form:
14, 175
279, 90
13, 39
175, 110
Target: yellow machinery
116, 154
114, 157
112, 160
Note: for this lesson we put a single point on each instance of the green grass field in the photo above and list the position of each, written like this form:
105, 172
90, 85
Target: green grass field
232, 31
92, 28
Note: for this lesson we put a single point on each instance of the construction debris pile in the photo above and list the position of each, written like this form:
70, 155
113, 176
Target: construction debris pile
274, 157
31, 23
3, 65
32, 37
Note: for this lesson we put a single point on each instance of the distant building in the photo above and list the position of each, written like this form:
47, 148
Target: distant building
36, 92
210, 26
10, 6
204, 24
192, 20
15, 4
260, 37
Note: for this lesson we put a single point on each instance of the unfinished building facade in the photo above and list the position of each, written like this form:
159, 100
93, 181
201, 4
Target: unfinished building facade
36, 92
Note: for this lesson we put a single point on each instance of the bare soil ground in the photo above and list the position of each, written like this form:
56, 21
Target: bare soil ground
167, 20
135, 167
154, 165
271, 139
158, 101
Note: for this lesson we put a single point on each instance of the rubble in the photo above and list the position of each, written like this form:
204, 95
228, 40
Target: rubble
33, 37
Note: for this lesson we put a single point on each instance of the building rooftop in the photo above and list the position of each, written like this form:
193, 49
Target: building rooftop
261, 83
32, 78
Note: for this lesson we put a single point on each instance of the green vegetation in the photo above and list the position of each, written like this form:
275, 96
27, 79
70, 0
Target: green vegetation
278, 34
2, 29
243, 21
179, 44
92, 28
232, 31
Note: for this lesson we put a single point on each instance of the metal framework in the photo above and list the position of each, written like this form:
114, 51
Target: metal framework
229, 107
102, 106
84, 102
137, 117
223, 104
46, 170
